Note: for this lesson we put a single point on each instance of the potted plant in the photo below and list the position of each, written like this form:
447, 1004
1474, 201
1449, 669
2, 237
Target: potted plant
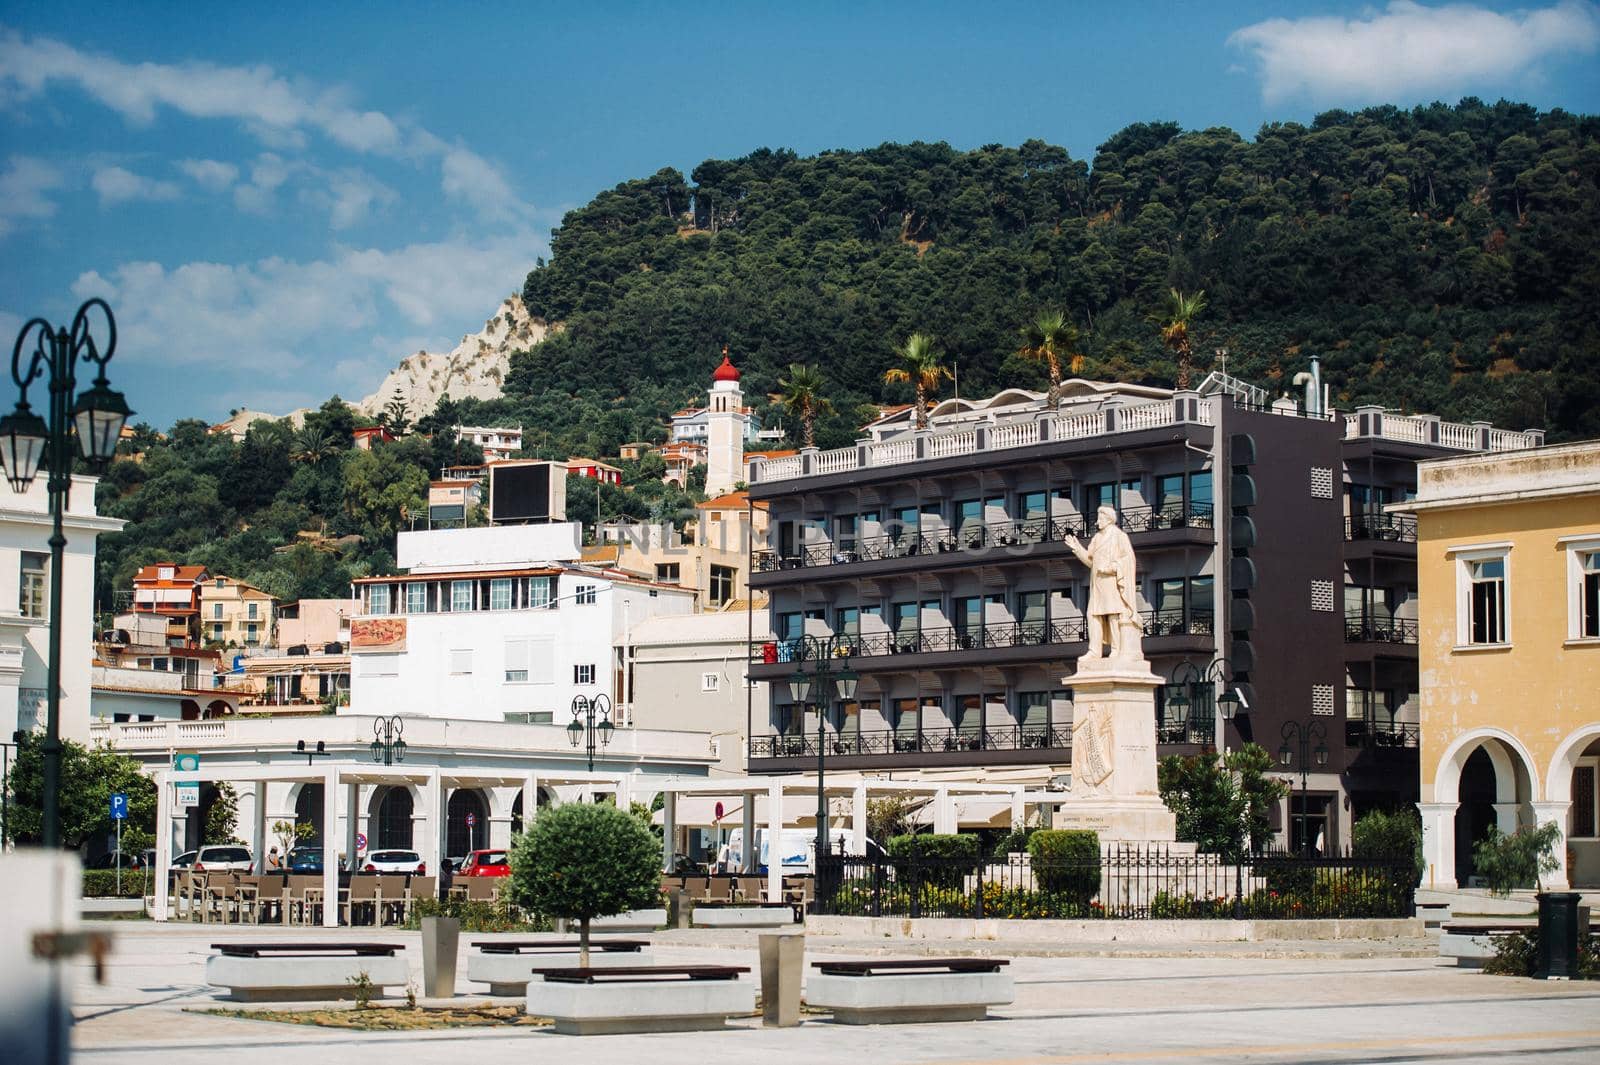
585, 860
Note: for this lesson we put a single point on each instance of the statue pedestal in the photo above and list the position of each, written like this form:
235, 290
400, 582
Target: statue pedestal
1114, 789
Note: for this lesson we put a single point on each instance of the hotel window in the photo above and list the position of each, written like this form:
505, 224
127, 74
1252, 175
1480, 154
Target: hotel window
667, 572
518, 655
583, 674
538, 591
252, 611
216, 631
1033, 711
1483, 604
377, 598
1583, 584
32, 603
416, 598
460, 596
583, 595
250, 633
216, 610
500, 593
1585, 800
721, 585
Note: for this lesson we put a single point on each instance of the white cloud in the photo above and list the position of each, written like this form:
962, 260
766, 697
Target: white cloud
267, 174
22, 190
279, 111
115, 185
210, 174
1407, 49
282, 319
349, 196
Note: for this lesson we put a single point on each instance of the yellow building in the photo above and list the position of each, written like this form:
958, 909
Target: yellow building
235, 614
1508, 576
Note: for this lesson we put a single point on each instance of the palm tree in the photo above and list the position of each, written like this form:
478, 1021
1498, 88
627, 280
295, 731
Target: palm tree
1181, 310
1049, 338
802, 398
311, 446
922, 368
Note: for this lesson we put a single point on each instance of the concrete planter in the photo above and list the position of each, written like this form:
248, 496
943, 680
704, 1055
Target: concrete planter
508, 975
290, 979
644, 1006
742, 916
632, 921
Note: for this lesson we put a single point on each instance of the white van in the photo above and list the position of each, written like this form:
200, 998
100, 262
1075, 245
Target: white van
796, 847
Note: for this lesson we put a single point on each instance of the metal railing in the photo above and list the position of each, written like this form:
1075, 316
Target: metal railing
1397, 528
1015, 535
1376, 628
1138, 883
992, 737
1384, 734
991, 636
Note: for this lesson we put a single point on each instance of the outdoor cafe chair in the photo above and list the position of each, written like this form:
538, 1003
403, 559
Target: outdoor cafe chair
247, 897
363, 894
219, 897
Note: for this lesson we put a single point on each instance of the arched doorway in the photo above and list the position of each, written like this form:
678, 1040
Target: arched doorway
1475, 813
189, 710
517, 826
393, 828
1574, 782
217, 708
467, 823
308, 811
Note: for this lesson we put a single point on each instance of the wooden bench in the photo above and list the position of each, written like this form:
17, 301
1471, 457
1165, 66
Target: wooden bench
910, 990
596, 1000
506, 965
303, 971
1471, 943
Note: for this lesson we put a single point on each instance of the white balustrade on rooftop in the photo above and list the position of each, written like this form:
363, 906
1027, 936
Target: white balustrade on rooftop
836, 461
1456, 435
1403, 427
960, 442
1074, 426
1145, 416
892, 452
1014, 434
1510, 440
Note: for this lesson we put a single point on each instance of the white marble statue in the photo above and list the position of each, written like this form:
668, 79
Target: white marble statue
1113, 592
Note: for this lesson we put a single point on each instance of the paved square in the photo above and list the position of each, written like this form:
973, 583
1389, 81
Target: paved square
1206, 1003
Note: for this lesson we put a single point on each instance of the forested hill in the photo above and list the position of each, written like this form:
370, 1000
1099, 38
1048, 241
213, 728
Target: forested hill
1442, 258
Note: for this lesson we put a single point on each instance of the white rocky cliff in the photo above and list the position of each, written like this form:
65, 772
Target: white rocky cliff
475, 368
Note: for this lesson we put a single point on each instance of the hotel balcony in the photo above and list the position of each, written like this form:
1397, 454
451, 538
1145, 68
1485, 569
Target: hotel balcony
1381, 636
997, 743
991, 543
1170, 632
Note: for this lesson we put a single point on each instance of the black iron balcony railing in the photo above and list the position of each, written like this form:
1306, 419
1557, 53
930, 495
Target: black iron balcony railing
1376, 628
1387, 734
994, 636
1398, 528
1197, 728
994, 737
1011, 534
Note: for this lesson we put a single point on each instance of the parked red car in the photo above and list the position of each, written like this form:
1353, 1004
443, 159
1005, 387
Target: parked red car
486, 863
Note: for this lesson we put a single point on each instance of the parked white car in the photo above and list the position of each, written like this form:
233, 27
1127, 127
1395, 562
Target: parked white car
393, 861
236, 859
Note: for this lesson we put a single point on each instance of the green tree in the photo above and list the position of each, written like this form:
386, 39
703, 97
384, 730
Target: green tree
802, 397
920, 366
89, 777
1222, 805
1181, 311
312, 445
383, 487
585, 860
1051, 338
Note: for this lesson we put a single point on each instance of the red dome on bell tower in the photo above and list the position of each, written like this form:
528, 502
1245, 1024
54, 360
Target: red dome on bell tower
727, 371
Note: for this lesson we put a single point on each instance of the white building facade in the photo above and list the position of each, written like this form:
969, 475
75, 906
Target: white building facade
497, 624
25, 527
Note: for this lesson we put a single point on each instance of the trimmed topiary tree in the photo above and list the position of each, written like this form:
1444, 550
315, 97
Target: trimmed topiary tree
946, 849
1066, 862
585, 860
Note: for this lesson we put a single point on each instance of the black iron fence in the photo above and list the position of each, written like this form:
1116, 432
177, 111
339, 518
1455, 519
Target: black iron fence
1005, 534
995, 737
1146, 883
1377, 628
1396, 528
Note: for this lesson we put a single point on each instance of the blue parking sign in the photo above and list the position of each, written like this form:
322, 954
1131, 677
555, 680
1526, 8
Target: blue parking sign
119, 806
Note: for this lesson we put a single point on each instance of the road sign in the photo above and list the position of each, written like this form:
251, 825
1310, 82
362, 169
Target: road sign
361, 842
472, 820
186, 796
717, 812
119, 806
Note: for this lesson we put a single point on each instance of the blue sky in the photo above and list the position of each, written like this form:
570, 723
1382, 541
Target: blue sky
281, 207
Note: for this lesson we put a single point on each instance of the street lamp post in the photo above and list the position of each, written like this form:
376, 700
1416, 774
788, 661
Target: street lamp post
28, 442
830, 674
1189, 679
591, 720
1301, 737
388, 740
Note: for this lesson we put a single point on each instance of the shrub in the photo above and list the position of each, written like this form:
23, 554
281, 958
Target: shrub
953, 857
477, 915
585, 860
1390, 835
1014, 842
102, 884
1516, 954
1066, 862
1518, 860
